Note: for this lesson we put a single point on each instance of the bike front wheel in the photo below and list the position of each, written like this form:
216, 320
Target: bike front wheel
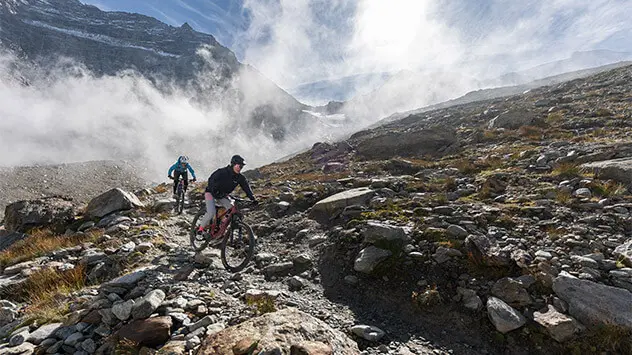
199, 241
238, 246
180, 202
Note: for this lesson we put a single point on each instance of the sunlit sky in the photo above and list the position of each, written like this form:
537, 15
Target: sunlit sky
299, 41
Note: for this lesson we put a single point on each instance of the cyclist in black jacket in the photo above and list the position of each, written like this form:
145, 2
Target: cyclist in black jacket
220, 184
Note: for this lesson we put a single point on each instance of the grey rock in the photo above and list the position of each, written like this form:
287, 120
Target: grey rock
193, 342
619, 170
470, 299
103, 330
202, 323
145, 306
594, 304
433, 141
385, 236
296, 283
89, 346
624, 252
19, 337
368, 332
512, 292
127, 247
22, 349
331, 206
7, 315
444, 254
215, 328
74, 339
560, 326
369, 258
55, 348
514, 119
503, 316
622, 278
583, 193
52, 212
144, 247
123, 310
43, 332
279, 269
112, 201
457, 231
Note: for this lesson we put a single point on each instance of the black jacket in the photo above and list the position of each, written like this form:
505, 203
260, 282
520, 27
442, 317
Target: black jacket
223, 181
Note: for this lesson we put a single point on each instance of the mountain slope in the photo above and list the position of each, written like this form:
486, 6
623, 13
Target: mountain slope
43, 33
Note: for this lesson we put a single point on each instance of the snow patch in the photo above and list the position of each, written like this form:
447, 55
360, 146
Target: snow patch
98, 38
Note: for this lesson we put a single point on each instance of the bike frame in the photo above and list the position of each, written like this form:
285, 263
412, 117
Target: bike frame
180, 186
226, 219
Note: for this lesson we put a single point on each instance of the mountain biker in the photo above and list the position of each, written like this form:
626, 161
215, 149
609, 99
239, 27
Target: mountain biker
179, 170
220, 184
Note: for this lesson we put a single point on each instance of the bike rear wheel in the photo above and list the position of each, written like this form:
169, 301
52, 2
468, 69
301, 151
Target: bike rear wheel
199, 241
238, 246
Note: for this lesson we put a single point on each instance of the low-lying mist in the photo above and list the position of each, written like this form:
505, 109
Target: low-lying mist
67, 114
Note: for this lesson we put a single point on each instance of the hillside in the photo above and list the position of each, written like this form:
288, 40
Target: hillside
496, 226
55, 39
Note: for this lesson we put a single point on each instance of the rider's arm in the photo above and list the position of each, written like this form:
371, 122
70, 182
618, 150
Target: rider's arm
246, 187
191, 170
172, 168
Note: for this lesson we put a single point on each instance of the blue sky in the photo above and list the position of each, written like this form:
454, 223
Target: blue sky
299, 41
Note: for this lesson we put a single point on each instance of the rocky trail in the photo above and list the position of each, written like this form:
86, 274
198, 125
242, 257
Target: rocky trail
495, 227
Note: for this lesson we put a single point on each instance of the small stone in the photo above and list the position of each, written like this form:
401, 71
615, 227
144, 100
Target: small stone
368, 332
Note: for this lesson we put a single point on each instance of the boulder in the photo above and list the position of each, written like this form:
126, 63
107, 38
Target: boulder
330, 207
144, 307
112, 201
594, 304
503, 316
487, 252
511, 291
619, 170
369, 258
278, 330
560, 326
385, 144
385, 235
514, 119
151, 332
54, 213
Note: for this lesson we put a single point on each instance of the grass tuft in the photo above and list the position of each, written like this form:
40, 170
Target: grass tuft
41, 242
45, 292
567, 171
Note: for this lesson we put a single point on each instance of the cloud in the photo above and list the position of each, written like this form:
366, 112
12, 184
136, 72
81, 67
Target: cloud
294, 42
70, 115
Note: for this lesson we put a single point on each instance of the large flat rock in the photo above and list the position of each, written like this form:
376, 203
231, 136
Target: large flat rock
595, 304
329, 207
278, 331
616, 169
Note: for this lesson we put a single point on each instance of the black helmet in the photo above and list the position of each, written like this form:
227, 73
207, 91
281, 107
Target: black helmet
236, 159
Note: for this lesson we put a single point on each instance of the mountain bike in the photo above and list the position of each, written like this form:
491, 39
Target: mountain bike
180, 191
235, 236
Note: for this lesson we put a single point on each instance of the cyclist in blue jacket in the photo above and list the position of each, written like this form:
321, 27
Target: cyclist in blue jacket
179, 170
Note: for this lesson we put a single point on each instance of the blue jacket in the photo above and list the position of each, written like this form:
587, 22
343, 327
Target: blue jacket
178, 167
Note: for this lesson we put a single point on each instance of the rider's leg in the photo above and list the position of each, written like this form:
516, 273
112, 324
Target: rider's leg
176, 180
185, 177
224, 202
210, 210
